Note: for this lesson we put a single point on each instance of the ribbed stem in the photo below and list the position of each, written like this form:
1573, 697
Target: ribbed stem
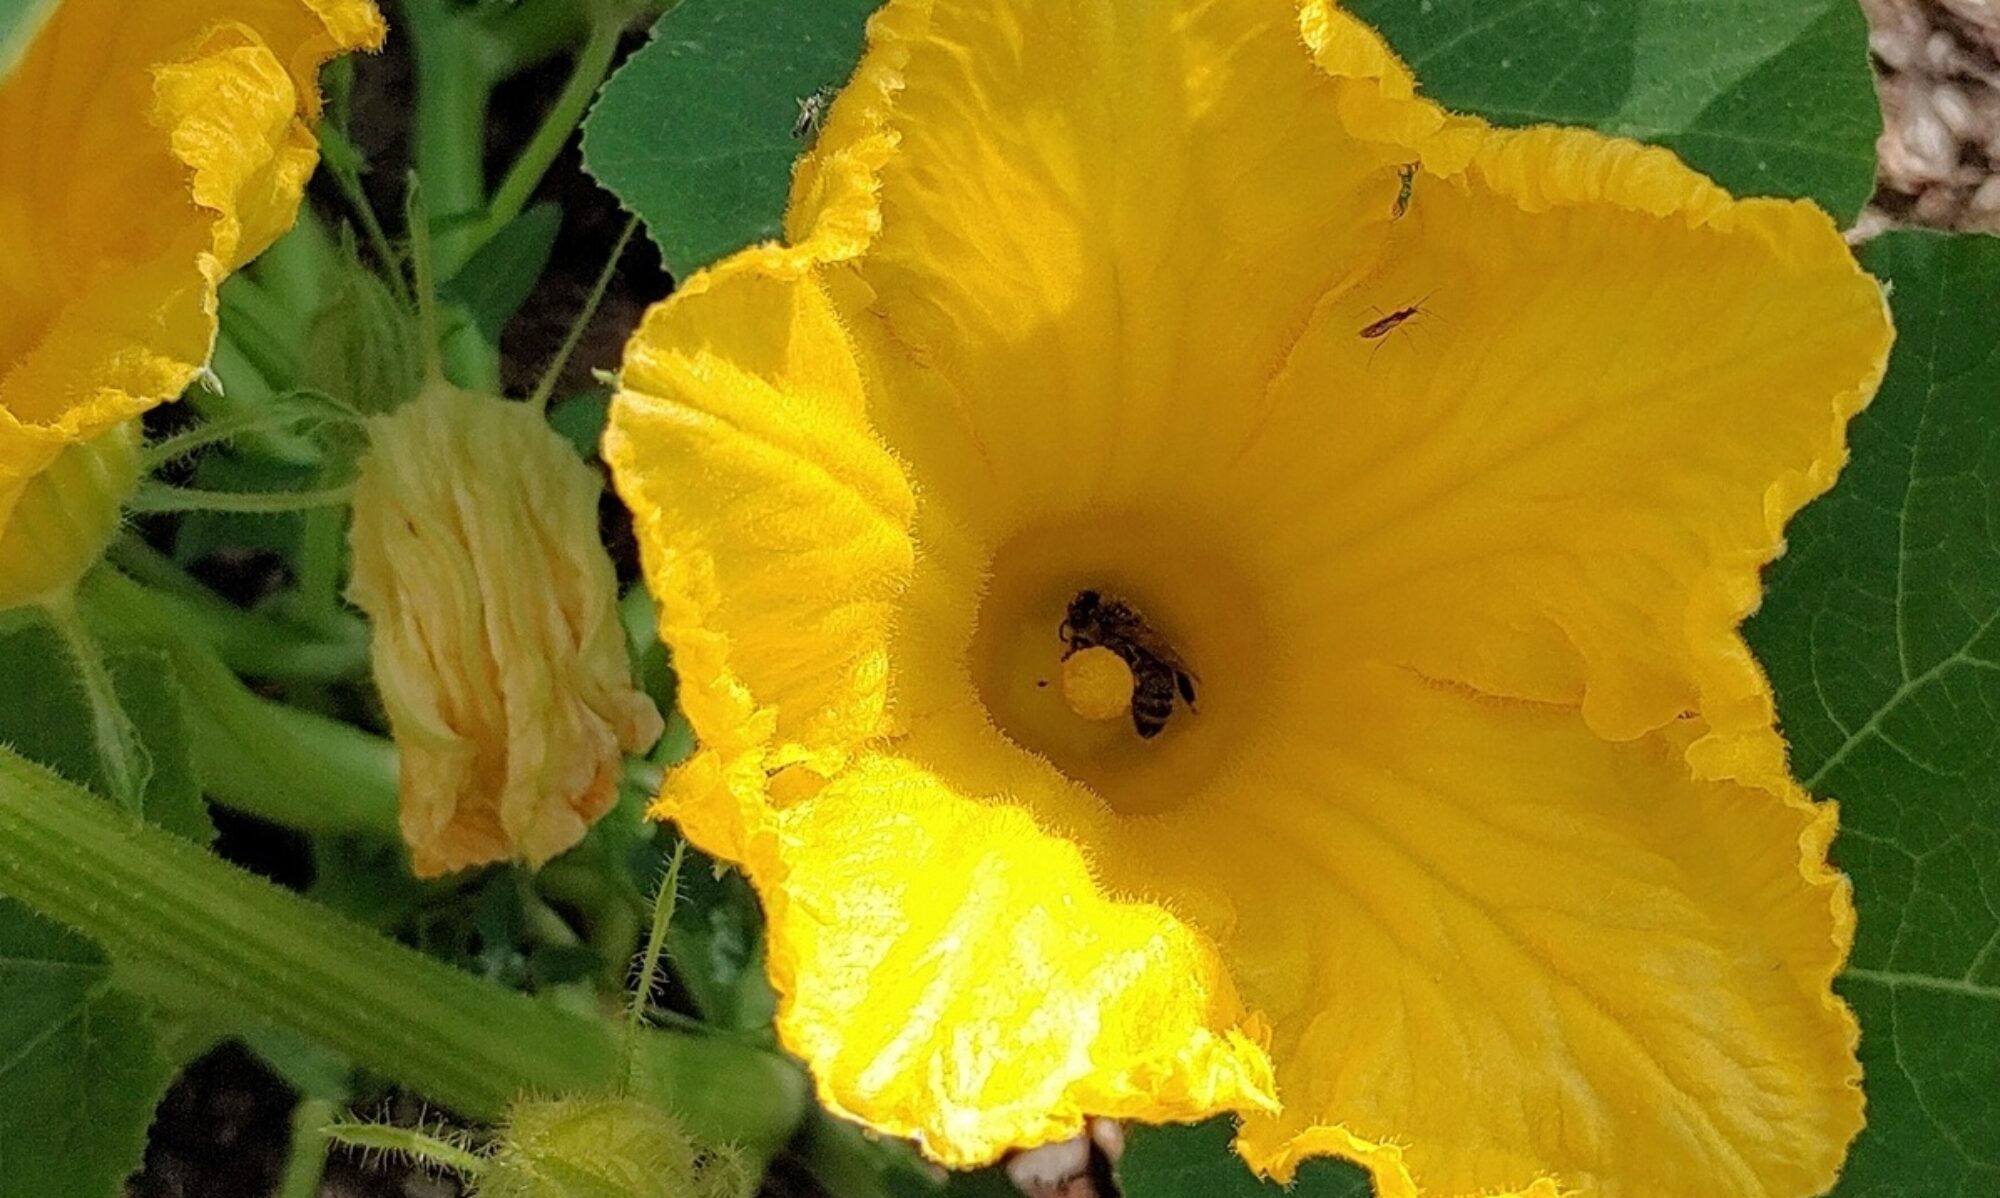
227, 941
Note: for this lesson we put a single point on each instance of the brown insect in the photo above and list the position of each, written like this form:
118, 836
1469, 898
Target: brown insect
1380, 328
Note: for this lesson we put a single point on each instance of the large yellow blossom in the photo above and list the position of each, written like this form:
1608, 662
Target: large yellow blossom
1443, 458
146, 150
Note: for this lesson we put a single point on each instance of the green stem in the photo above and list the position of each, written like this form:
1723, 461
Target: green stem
156, 496
287, 765
411, 1144
533, 31
454, 83
423, 273
121, 754
245, 393
593, 63
249, 642
553, 371
213, 937
213, 432
664, 901
343, 162
322, 554
307, 1163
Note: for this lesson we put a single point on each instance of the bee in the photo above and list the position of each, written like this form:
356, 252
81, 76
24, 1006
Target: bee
812, 113
1159, 676
1406, 179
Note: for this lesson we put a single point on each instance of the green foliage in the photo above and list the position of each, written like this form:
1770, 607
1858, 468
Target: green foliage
51, 723
1881, 632
79, 1068
497, 280
696, 133
363, 347
1769, 98
717, 946
581, 420
1196, 1161
20, 20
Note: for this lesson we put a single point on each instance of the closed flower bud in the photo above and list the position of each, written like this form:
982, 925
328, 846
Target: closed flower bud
497, 648
605, 1148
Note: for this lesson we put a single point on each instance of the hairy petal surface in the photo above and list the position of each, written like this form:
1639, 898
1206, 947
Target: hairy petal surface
1497, 949
952, 972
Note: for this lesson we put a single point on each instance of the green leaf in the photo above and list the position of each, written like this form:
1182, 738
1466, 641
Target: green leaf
695, 133
50, 722
80, 1071
1881, 632
1768, 97
1196, 1161
201, 533
20, 21
716, 945
581, 420
497, 281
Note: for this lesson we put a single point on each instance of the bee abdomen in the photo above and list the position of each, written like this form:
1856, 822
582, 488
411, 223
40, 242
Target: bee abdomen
1152, 701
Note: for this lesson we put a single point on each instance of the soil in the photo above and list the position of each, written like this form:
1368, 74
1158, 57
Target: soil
1938, 72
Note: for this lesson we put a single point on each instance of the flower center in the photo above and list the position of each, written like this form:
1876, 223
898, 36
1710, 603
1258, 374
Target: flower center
1124, 651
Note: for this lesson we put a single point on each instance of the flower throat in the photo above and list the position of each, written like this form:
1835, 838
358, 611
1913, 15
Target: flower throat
1095, 620
1125, 648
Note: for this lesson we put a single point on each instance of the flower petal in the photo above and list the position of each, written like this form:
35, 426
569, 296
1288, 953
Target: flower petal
950, 971
1604, 388
774, 525
1123, 212
145, 152
1497, 950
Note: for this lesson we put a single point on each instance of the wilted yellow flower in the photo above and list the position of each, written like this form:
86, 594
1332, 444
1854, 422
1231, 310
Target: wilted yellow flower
497, 645
146, 150
1420, 472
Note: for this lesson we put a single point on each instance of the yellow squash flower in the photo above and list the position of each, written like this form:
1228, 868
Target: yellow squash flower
146, 150
1434, 463
497, 646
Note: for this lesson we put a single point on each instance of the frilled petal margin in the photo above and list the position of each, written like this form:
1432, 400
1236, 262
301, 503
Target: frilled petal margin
1447, 456
146, 150
1535, 956
1674, 375
954, 974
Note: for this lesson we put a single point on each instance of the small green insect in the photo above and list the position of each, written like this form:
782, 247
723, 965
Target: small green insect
1406, 176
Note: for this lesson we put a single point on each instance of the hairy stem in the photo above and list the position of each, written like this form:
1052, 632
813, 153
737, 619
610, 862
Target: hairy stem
208, 936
